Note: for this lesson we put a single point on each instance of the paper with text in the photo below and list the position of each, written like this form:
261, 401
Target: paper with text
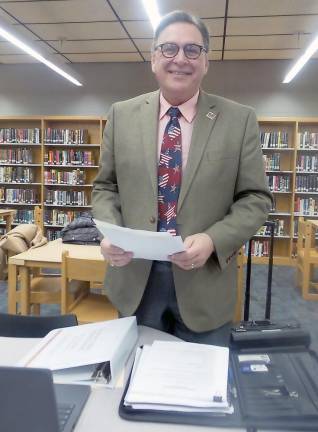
181, 375
144, 244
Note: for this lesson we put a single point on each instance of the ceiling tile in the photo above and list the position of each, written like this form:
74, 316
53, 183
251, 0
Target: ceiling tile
266, 42
260, 55
139, 29
110, 30
9, 48
271, 7
215, 26
272, 25
105, 57
61, 11
121, 45
24, 58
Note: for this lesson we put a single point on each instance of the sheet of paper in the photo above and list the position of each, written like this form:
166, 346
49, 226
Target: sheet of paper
180, 374
80, 345
144, 244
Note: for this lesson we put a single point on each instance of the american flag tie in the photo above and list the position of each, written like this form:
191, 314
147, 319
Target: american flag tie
169, 174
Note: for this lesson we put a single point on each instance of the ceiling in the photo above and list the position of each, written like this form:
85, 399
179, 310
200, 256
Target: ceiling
82, 31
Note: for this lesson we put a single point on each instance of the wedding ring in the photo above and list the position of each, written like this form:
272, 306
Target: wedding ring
192, 266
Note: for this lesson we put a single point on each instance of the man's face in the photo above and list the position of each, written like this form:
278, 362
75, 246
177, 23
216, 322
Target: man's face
179, 78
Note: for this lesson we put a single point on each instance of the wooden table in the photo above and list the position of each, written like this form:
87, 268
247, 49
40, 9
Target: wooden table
7, 215
313, 222
47, 256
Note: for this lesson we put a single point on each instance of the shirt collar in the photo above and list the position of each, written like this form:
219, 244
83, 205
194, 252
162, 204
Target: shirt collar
188, 109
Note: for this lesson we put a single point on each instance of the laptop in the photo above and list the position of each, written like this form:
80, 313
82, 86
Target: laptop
30, 402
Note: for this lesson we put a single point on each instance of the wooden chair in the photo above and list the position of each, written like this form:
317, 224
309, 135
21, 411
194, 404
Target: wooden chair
307, 259
26, 326
88, 306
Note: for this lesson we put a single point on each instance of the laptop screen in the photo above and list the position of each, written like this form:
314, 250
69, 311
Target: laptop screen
29, 401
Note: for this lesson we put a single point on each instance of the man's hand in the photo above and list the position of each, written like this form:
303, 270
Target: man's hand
116, 256
199, 248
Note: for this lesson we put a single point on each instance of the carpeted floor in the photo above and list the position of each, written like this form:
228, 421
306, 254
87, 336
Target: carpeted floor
287, 303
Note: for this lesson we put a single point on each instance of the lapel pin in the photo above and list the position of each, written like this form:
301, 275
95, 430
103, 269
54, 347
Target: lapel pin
211, 115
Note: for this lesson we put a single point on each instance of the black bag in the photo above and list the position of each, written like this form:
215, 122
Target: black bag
265, 332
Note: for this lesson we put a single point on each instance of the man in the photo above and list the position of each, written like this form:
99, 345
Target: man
194, 169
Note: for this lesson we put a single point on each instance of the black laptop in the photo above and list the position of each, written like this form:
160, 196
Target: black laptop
30, 402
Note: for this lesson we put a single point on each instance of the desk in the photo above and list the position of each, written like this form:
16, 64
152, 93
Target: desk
47, 256
7, 215
101, 411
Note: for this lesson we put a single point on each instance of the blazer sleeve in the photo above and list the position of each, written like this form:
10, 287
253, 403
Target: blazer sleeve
251, 202
105, 196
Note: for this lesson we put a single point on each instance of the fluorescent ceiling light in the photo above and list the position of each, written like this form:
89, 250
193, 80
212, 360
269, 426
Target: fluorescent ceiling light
302, 61
18, 43
152, 11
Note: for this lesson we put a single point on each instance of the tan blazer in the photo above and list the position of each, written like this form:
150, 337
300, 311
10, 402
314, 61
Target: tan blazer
223, 194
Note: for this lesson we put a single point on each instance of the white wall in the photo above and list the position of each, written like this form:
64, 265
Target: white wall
35, 90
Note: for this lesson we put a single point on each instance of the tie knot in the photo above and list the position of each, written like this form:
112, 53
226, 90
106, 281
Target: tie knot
174, 112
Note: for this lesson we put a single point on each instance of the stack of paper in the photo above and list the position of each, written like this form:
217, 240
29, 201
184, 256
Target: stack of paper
180, 376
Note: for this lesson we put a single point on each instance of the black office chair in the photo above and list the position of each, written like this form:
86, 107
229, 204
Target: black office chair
28, 326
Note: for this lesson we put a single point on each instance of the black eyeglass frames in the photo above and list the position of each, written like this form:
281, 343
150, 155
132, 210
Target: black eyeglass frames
191, 51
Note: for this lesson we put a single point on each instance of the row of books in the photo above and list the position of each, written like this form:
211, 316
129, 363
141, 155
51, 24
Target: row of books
22, 216
307, 163
279, 183
52, 234
20, 135
74, 177
275, 139
308, 140
279, 229
18, 196
260, 248
306, 183
60, 217
17, 155
306, 206
65, 136
19, 174
69, 157
63, 197
272, 162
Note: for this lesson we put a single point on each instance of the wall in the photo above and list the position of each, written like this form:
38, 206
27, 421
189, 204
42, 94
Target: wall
33, 89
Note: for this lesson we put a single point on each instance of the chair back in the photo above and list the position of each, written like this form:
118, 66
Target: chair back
28, 326
81, 269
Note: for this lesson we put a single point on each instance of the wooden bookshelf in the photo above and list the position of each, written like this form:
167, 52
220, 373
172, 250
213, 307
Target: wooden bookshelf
288, 182
291, 168
52, 169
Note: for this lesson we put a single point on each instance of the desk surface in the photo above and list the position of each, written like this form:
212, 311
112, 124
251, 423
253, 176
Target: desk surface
101, 411
52, 253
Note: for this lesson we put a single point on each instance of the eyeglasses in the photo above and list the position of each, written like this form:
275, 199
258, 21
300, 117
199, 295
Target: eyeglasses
191, 51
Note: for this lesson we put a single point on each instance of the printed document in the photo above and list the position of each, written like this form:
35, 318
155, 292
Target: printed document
144, 244
180, 376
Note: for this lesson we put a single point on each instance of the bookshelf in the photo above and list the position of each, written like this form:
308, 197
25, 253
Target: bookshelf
48, 163
290, 149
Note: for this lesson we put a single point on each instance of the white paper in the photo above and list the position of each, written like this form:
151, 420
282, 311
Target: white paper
144, 244
87, 344
181, 375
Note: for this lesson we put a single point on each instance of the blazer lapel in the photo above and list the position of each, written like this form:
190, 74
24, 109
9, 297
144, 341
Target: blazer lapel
203, 125
149, 112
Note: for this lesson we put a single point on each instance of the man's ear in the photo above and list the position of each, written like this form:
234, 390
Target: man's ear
153, 62
207, 63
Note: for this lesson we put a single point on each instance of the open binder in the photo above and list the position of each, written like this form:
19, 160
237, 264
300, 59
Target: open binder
270, 388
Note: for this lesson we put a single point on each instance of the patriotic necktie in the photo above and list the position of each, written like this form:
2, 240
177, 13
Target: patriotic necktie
169, 174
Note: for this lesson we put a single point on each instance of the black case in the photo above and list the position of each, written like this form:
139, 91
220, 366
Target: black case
284, 396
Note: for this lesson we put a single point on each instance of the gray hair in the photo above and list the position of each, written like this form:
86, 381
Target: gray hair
179, 16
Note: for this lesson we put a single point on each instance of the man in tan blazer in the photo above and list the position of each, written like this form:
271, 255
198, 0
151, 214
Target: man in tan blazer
222, 202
